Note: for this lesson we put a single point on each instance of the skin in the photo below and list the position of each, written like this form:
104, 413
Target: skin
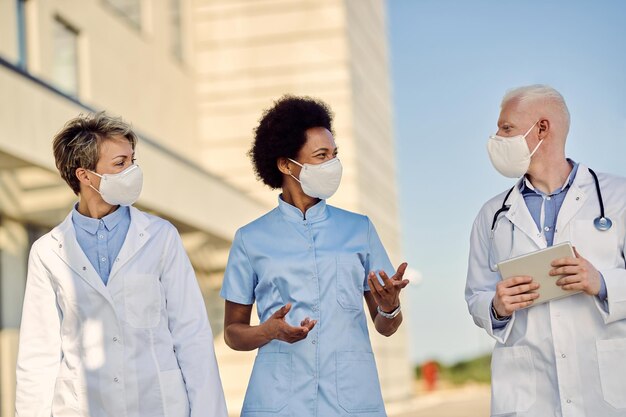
547, 172
240, 335
116, 154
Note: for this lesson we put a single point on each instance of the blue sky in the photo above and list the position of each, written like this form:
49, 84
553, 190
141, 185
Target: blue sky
452, 61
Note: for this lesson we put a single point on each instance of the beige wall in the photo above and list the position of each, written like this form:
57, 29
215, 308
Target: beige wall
251, 53
128, 71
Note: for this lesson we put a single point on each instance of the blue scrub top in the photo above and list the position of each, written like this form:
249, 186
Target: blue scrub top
319, 263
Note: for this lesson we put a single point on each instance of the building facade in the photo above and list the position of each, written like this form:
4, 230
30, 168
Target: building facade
193, 76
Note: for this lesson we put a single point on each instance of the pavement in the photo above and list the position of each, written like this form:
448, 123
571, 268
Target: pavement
467, 401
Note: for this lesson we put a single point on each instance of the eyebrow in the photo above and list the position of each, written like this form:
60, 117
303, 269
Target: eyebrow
324, 149
123, 156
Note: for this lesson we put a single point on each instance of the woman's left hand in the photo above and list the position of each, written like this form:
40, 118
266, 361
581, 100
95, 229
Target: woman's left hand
387, 296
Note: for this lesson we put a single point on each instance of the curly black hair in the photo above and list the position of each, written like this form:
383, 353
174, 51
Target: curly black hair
281, 133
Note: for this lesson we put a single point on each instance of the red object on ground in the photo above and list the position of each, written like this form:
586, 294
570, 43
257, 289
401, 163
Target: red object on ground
429, 375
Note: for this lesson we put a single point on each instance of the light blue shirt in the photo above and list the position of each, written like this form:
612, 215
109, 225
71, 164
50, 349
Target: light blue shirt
544, 208
102, 239
319, 263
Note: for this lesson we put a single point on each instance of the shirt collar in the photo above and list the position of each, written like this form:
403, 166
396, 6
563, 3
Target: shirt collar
90, 225
316, 213
526, 186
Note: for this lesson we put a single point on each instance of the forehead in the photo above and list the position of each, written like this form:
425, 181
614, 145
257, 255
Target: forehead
514, 112
318, 137
115, 144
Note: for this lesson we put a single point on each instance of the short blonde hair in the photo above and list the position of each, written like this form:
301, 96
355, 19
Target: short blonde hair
539, 92
77, 145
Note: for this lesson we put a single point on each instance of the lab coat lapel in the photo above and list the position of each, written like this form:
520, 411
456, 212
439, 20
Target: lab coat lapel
68, 249
519, 215
575, 198
136, 238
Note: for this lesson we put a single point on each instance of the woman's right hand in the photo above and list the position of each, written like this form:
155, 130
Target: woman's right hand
278, 328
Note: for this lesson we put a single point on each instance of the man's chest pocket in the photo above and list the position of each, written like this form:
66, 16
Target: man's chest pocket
350, 278
142, 300
601, 248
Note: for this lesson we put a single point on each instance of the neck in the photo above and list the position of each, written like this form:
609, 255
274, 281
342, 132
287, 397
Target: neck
95, 208
298, 199
547, 177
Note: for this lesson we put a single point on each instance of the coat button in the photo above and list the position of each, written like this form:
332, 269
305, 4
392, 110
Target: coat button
116, 379
115, 339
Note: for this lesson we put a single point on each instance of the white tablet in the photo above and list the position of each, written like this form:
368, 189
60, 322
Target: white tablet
537, 265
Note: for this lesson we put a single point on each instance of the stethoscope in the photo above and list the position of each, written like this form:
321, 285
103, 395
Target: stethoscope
602, 223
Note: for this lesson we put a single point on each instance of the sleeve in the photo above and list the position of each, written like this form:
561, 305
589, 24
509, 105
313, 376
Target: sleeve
377, 258
480, 287
239, 277
613, 308
191, 332
39, 354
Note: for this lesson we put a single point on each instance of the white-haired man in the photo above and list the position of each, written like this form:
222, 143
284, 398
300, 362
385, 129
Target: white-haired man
565, 357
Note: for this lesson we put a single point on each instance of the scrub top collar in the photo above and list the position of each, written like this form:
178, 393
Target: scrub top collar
90, 225
314, 214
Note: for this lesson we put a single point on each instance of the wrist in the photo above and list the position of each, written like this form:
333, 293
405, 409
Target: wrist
389, 315
496, 315
268, 331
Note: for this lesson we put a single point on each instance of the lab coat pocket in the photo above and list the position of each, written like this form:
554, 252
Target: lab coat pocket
513, 384
175, 400
142, 299
601, 248
350, 279
65, 401
611, 354
358, 389
269, 388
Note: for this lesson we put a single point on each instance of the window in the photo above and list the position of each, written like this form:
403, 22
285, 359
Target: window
129, 9
21, 34
65, 57
176, 30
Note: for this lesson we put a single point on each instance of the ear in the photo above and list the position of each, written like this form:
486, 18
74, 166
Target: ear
83, 177
544, 128
283, 165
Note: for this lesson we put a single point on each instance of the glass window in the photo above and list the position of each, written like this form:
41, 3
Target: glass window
21, 33
176, 33
65, 57
130, 9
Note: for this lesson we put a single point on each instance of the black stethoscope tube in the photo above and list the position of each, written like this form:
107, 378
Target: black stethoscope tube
601, 223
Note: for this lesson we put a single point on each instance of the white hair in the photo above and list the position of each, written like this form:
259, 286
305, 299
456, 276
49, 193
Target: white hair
538, 92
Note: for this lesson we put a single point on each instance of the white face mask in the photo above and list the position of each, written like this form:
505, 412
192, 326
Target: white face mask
320, 180
123, 188
510, 156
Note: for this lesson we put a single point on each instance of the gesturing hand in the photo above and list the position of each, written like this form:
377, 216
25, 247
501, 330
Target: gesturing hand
579, 273
278, 328
512, 294
387, 296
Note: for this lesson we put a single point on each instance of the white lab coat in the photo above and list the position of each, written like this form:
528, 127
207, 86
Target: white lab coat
566, 357
139, 347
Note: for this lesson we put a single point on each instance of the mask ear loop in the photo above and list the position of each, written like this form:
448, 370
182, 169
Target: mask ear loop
297, 163
92, 187
540, 141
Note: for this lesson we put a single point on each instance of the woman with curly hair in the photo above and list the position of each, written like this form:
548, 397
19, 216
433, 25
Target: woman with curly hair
308, 266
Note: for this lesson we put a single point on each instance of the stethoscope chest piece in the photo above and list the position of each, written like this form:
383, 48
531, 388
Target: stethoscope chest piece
602, 223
